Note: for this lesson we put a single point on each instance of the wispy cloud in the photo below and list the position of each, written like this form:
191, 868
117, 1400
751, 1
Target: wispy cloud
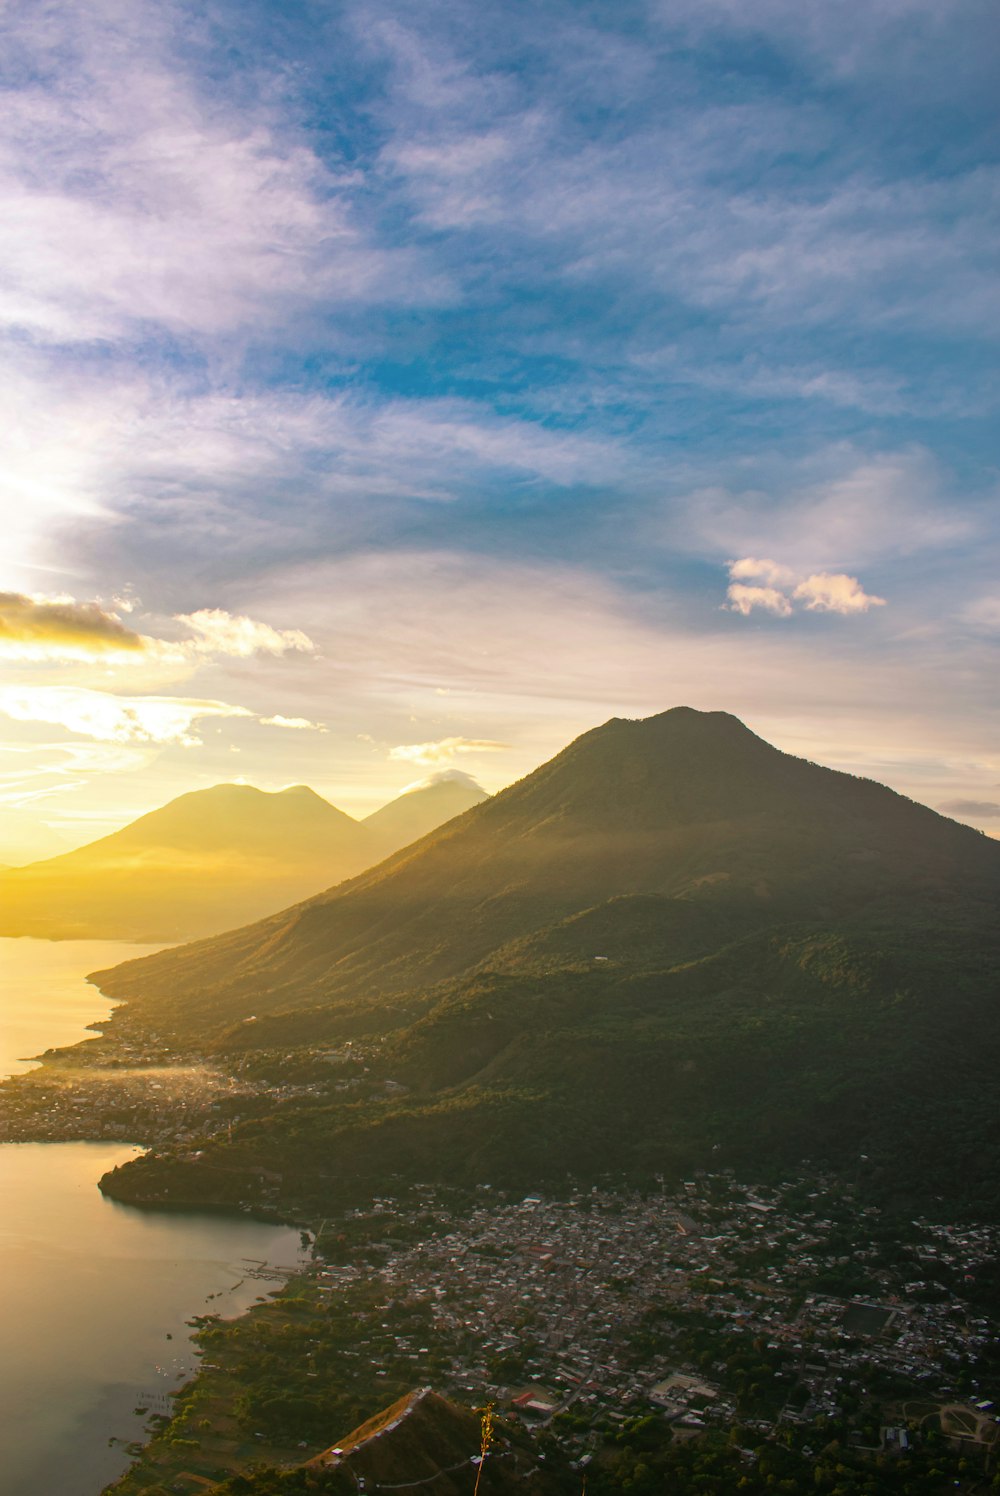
201, 472
694, 201
114, 719
301, 724
528, 655
136, 195
220, 633
443, 751
443, 776
983, 613
833, 508
43, 769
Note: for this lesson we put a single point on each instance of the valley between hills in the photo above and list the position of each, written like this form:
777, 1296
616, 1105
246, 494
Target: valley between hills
726, 1018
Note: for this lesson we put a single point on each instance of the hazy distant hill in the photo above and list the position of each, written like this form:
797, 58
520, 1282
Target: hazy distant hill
672, 945
414, 814
208, 860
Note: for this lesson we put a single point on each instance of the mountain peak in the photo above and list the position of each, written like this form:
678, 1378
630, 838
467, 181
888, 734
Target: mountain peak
679, 766
680, 722
422, 809
684, 806
300, 792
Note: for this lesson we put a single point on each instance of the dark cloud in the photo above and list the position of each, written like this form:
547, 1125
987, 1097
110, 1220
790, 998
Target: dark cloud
63, 624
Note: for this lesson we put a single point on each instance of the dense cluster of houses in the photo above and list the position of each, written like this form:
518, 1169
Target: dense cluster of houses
542, 1302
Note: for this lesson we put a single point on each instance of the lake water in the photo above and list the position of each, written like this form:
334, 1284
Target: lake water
94, 1296
44, 1000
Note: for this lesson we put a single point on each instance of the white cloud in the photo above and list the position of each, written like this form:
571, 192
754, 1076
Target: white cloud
114, 719
302, 724
827, 592
443, 751
443, 776
45, 630
820, 592
222, 633
743, 599
750, 569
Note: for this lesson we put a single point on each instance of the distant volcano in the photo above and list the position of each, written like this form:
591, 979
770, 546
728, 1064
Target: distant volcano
212, 859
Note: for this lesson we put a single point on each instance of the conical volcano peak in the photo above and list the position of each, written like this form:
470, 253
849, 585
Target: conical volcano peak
683, 724
299, 795
677, 766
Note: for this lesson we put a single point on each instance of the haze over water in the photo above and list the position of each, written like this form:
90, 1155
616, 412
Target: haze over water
89, 1289
44, 999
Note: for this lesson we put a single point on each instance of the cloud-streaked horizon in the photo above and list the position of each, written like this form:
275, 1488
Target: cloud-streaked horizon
440, 377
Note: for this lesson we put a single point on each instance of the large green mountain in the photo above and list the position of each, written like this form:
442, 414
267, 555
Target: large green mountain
209, 860
729, 833
670, 944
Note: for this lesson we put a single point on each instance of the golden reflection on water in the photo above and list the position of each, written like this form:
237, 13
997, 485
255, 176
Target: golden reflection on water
94, 1296
45, 1000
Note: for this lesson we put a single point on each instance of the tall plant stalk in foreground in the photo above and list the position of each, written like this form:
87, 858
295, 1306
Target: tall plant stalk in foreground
485, 1441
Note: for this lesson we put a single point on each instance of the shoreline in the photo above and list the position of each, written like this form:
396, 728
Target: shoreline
66, 1083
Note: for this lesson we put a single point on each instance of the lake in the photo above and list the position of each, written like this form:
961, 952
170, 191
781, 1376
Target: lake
94, 1296
44, 1000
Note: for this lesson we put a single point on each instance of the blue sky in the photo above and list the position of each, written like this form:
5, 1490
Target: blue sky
474, 374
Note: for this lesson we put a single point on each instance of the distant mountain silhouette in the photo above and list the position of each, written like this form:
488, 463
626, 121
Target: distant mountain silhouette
208, 860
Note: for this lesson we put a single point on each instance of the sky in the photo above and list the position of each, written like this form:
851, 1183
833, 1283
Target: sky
393, 391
